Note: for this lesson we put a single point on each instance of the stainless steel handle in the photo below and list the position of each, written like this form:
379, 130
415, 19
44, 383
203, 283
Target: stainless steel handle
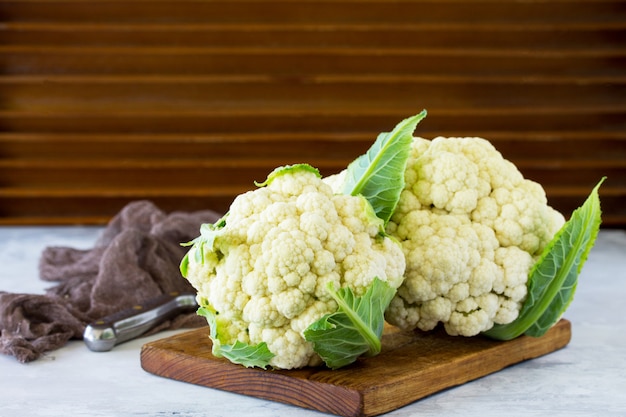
102, 335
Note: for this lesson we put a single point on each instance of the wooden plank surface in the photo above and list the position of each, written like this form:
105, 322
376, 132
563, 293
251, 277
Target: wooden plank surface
129, 90
411, 366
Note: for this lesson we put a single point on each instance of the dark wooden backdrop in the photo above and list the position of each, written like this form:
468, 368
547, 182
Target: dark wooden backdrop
187, 102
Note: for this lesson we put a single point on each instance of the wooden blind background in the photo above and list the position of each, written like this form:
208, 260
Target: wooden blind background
187, 102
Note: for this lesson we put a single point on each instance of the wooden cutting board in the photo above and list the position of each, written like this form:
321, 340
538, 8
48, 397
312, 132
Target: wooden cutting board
411, 366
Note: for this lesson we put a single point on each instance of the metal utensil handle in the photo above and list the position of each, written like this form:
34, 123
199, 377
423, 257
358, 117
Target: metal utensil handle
128, 324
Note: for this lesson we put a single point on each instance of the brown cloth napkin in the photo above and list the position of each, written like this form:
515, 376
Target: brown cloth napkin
135, 259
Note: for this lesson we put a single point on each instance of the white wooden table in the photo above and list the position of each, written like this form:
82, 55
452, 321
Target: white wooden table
587, 378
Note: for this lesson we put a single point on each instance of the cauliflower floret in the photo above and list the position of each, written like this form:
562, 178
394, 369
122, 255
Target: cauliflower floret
294, 353
269, 281
471, 228
448, 181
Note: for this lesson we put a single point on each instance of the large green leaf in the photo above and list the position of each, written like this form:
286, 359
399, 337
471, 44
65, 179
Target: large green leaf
553, 279
378, 174
356, 327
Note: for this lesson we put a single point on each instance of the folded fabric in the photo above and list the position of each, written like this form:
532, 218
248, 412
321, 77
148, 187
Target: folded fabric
136, 258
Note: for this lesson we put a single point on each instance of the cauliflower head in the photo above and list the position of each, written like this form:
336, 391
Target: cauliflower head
471, 227
267, 269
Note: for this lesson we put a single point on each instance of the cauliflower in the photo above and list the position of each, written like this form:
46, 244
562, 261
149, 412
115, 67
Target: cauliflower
264, 271
471, 228
484, 251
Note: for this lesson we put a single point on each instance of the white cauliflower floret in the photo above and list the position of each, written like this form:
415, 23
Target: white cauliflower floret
267, 270
471, 228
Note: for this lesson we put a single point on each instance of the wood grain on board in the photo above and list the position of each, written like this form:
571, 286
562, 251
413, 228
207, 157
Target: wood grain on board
411, 366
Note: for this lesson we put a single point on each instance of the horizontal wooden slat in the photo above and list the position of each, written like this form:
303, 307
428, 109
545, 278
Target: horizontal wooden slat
307, 11
528, 145
185, 147
99, 205
308, 61
509, 35
326, 119
198, 94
